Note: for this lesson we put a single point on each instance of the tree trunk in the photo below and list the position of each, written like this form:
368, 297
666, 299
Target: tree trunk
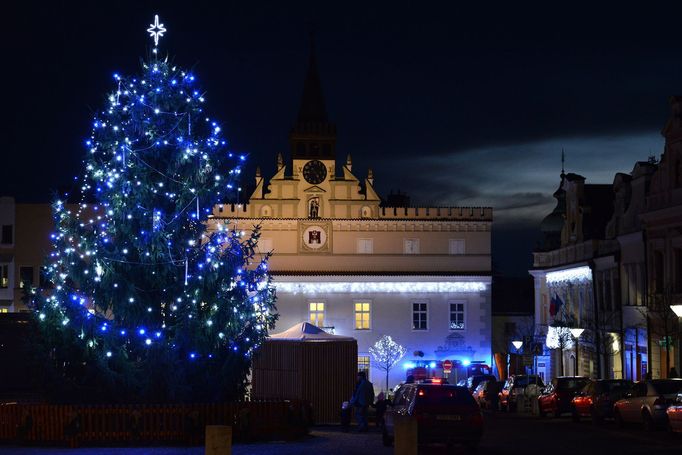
561, 361
387, 370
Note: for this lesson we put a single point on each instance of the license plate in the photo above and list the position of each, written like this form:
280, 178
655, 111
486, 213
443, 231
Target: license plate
448, 417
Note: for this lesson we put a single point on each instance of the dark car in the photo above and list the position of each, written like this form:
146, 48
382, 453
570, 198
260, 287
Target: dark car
557, 397
486, 394
516, 385
445, 414
475, 380
597, 398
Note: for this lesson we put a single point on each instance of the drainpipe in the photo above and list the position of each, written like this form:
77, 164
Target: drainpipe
597, 335
649, 352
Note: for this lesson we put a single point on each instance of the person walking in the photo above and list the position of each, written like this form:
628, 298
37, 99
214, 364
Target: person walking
363, 397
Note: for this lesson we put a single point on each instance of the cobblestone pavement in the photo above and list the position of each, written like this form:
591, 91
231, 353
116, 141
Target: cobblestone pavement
505, 434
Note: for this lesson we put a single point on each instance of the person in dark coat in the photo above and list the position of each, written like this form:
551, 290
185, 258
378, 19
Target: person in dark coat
381, 405
363, 397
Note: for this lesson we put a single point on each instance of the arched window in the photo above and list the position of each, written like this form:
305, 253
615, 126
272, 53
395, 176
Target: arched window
266, 211
366, 212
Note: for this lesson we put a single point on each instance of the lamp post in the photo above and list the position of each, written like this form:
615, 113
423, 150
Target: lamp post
576, 332
677, 309
517, 345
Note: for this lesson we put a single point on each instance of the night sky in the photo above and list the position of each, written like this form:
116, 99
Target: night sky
454, 106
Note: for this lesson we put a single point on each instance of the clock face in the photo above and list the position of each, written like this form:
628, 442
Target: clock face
314, 172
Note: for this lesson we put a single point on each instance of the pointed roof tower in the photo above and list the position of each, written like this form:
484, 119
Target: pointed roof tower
313, 136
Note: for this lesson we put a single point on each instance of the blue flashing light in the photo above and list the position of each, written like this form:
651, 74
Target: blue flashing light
409, 365
466, 362
142, 331
192, 355
432, 365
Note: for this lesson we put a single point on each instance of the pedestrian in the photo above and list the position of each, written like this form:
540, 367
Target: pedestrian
380, 405
363, 397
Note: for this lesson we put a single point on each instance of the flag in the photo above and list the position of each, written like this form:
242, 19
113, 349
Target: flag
555, 305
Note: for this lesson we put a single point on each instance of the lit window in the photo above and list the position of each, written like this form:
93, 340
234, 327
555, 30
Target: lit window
362, 315
456, 316
411, 246
457, 246
317, 313
365, 246
4, 276
363, 364
419, 316
4, 310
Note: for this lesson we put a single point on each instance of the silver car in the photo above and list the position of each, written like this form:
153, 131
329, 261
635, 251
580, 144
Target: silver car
647, 402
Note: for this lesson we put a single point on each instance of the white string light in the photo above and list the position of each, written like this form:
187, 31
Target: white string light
364, 287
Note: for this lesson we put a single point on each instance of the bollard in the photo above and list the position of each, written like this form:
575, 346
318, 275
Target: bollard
405, 431
218, 440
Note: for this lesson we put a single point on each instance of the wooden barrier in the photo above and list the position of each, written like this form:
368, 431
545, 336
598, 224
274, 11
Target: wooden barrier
74, 425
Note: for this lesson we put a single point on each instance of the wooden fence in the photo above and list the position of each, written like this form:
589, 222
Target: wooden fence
73, 425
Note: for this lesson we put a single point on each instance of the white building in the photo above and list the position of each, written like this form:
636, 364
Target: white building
349, 262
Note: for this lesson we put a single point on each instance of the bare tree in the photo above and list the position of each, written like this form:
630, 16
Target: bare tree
386, 353
662, 322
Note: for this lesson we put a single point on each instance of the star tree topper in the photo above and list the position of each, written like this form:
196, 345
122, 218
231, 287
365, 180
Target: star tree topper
156, 30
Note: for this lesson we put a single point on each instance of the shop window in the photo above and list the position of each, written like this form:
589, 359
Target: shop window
363, 364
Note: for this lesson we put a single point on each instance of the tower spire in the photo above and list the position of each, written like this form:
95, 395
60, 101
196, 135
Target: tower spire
313, 136
563, 158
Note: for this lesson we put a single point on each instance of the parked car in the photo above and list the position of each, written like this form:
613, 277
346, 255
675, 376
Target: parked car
475, 380
647, 403
516, 385
445, 414
674, 413
486, 394
596, 399
556, 398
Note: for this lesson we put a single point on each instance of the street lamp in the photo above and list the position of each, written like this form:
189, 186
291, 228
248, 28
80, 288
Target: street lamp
517, 345
677, 309
576, 332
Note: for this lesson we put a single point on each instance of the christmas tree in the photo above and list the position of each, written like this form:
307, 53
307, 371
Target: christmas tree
146, 303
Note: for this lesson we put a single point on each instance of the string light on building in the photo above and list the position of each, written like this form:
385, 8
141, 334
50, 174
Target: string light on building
583, 273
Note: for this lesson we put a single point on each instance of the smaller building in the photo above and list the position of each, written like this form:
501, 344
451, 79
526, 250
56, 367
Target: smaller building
24, 244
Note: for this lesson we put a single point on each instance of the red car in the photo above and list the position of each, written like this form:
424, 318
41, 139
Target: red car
597, 398
557, 397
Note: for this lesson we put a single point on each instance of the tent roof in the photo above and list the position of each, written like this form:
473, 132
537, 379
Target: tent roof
305, 331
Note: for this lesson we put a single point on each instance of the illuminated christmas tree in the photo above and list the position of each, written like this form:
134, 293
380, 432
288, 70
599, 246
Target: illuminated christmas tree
386, 353
145, 303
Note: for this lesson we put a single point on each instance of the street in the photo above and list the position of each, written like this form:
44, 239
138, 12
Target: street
505, 434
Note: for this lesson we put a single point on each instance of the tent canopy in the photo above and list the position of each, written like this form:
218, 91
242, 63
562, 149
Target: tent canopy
305, 331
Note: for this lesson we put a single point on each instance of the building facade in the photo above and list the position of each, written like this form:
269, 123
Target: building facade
617, 279
349, 262
24, 245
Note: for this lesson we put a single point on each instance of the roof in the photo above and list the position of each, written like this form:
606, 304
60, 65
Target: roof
305, 331
312, 101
